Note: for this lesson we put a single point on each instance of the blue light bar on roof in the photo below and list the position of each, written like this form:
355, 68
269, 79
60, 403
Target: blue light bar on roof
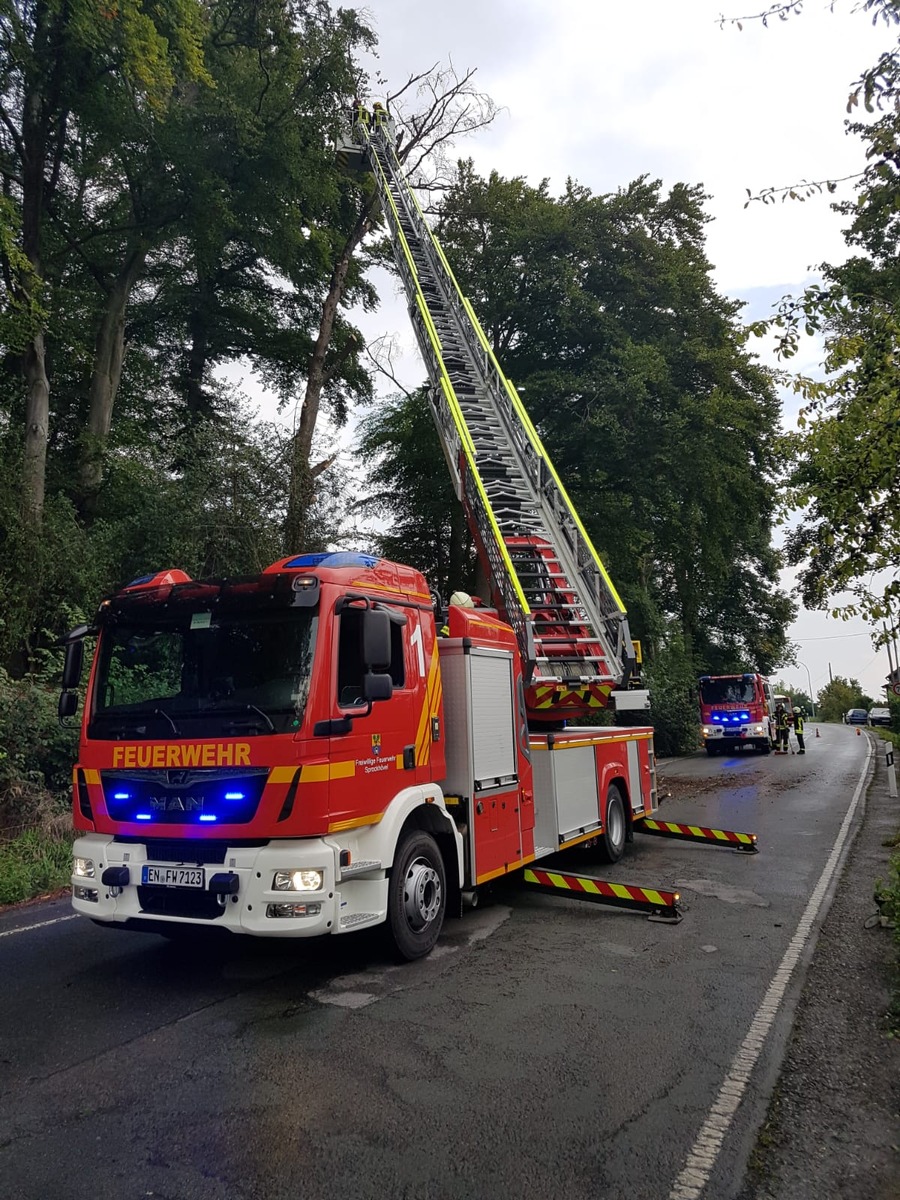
341, 558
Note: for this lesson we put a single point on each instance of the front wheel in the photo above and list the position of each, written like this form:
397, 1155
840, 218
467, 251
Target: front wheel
711, 749
764, 747
417, 896
612, 840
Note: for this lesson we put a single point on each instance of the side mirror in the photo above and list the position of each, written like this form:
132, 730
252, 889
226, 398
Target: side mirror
71, 675
378, 687
68, 705
376, 639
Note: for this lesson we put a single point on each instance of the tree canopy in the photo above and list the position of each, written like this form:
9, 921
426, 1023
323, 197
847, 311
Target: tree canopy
602, 310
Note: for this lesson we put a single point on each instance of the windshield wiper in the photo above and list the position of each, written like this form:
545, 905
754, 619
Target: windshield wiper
252, 708
161, 712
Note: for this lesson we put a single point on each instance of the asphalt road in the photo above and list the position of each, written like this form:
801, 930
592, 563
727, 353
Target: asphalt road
546, 1048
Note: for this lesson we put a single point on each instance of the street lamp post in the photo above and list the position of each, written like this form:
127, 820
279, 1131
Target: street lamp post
812, 698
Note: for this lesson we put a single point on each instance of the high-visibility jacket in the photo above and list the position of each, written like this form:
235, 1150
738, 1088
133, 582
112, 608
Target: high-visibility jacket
781, 720
798, 723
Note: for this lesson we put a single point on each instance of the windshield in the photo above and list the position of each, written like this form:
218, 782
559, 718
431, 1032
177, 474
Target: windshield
198, 674
729, 690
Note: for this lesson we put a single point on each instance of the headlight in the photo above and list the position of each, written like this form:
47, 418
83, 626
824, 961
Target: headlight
758, 729
297, 881
709, 730
84, 867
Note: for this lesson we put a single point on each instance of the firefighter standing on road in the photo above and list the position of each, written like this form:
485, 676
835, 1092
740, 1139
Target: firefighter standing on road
798, 729
781, 730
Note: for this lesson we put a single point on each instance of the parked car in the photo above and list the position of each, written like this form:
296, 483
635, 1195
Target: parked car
879, 716
856, 716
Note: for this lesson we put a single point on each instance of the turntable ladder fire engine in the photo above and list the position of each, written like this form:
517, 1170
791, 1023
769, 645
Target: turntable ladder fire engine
547, 578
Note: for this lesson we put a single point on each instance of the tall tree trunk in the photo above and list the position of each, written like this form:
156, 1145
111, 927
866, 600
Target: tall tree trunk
303, 474
37, 397
37, 423
109, 355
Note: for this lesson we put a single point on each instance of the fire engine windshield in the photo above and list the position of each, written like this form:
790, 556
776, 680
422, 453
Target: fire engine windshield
200, 674
733, 690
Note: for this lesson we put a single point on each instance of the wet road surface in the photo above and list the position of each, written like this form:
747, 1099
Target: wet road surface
545, 1047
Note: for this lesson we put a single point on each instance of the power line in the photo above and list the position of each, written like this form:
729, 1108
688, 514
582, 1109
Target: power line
832, 637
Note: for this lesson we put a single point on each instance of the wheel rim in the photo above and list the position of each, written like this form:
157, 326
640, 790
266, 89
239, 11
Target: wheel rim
422, 894
615, 824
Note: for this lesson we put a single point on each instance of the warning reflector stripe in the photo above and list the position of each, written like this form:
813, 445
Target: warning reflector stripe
652, 898
696, 832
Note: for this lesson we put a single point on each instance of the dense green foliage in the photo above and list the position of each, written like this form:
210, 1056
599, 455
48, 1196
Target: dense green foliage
171, 205
602, 310
33, 864
837, 696
845, 478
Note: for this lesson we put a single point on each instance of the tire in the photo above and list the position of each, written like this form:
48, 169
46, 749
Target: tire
764, 747
711, 750
615, 827
417, 896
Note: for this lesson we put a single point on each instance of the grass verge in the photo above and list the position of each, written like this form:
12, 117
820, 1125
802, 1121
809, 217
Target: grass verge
33, 863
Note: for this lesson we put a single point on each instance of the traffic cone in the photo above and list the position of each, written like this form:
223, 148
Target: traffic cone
858, 732
817, 731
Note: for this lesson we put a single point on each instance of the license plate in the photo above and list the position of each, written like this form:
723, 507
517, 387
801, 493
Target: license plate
190, 877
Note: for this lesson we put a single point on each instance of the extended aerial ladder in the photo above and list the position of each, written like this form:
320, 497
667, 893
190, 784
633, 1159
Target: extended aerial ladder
547, 579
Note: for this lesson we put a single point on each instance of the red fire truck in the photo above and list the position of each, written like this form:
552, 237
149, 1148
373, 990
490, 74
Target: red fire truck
299, 753
736, 711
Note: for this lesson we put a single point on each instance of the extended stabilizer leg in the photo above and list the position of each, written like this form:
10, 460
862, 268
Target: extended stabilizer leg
658, 903
740, 843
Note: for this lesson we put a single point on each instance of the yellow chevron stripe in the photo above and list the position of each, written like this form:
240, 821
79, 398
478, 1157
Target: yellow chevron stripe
423, 732
620, 891
397, 591
653, 897
355, 823
281, 774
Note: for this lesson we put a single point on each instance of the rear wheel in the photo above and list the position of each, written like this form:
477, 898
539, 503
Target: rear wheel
615, 828
417, 896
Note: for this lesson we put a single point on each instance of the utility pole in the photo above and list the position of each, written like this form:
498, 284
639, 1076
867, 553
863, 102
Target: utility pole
830, 676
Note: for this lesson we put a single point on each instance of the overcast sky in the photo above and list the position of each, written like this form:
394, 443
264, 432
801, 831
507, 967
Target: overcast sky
606, 92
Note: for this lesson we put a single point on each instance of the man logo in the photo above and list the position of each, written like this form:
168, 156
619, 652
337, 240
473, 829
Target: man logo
376, 745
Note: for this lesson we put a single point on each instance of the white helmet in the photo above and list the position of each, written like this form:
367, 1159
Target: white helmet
462, 600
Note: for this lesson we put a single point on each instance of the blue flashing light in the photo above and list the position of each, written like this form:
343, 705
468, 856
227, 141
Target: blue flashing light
139, 580
341, 558
234, 795
207, 817
734, 718
121, 795
143, 817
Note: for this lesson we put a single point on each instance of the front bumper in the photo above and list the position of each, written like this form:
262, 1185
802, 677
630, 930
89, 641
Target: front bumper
241, 894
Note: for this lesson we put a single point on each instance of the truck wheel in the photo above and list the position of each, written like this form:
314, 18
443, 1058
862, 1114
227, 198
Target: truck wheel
764, 748
417, 896
615, 828
711, 750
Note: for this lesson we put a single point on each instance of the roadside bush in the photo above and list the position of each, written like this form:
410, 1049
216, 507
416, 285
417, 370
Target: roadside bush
33, 863
34, 750
673, 701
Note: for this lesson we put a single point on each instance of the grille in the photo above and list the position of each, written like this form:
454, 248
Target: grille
187, 850
179, 902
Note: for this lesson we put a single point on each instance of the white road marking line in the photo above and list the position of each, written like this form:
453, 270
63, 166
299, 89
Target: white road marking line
701, 1160
39, 925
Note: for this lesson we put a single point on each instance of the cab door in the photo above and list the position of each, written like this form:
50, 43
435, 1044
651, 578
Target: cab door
372, 741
